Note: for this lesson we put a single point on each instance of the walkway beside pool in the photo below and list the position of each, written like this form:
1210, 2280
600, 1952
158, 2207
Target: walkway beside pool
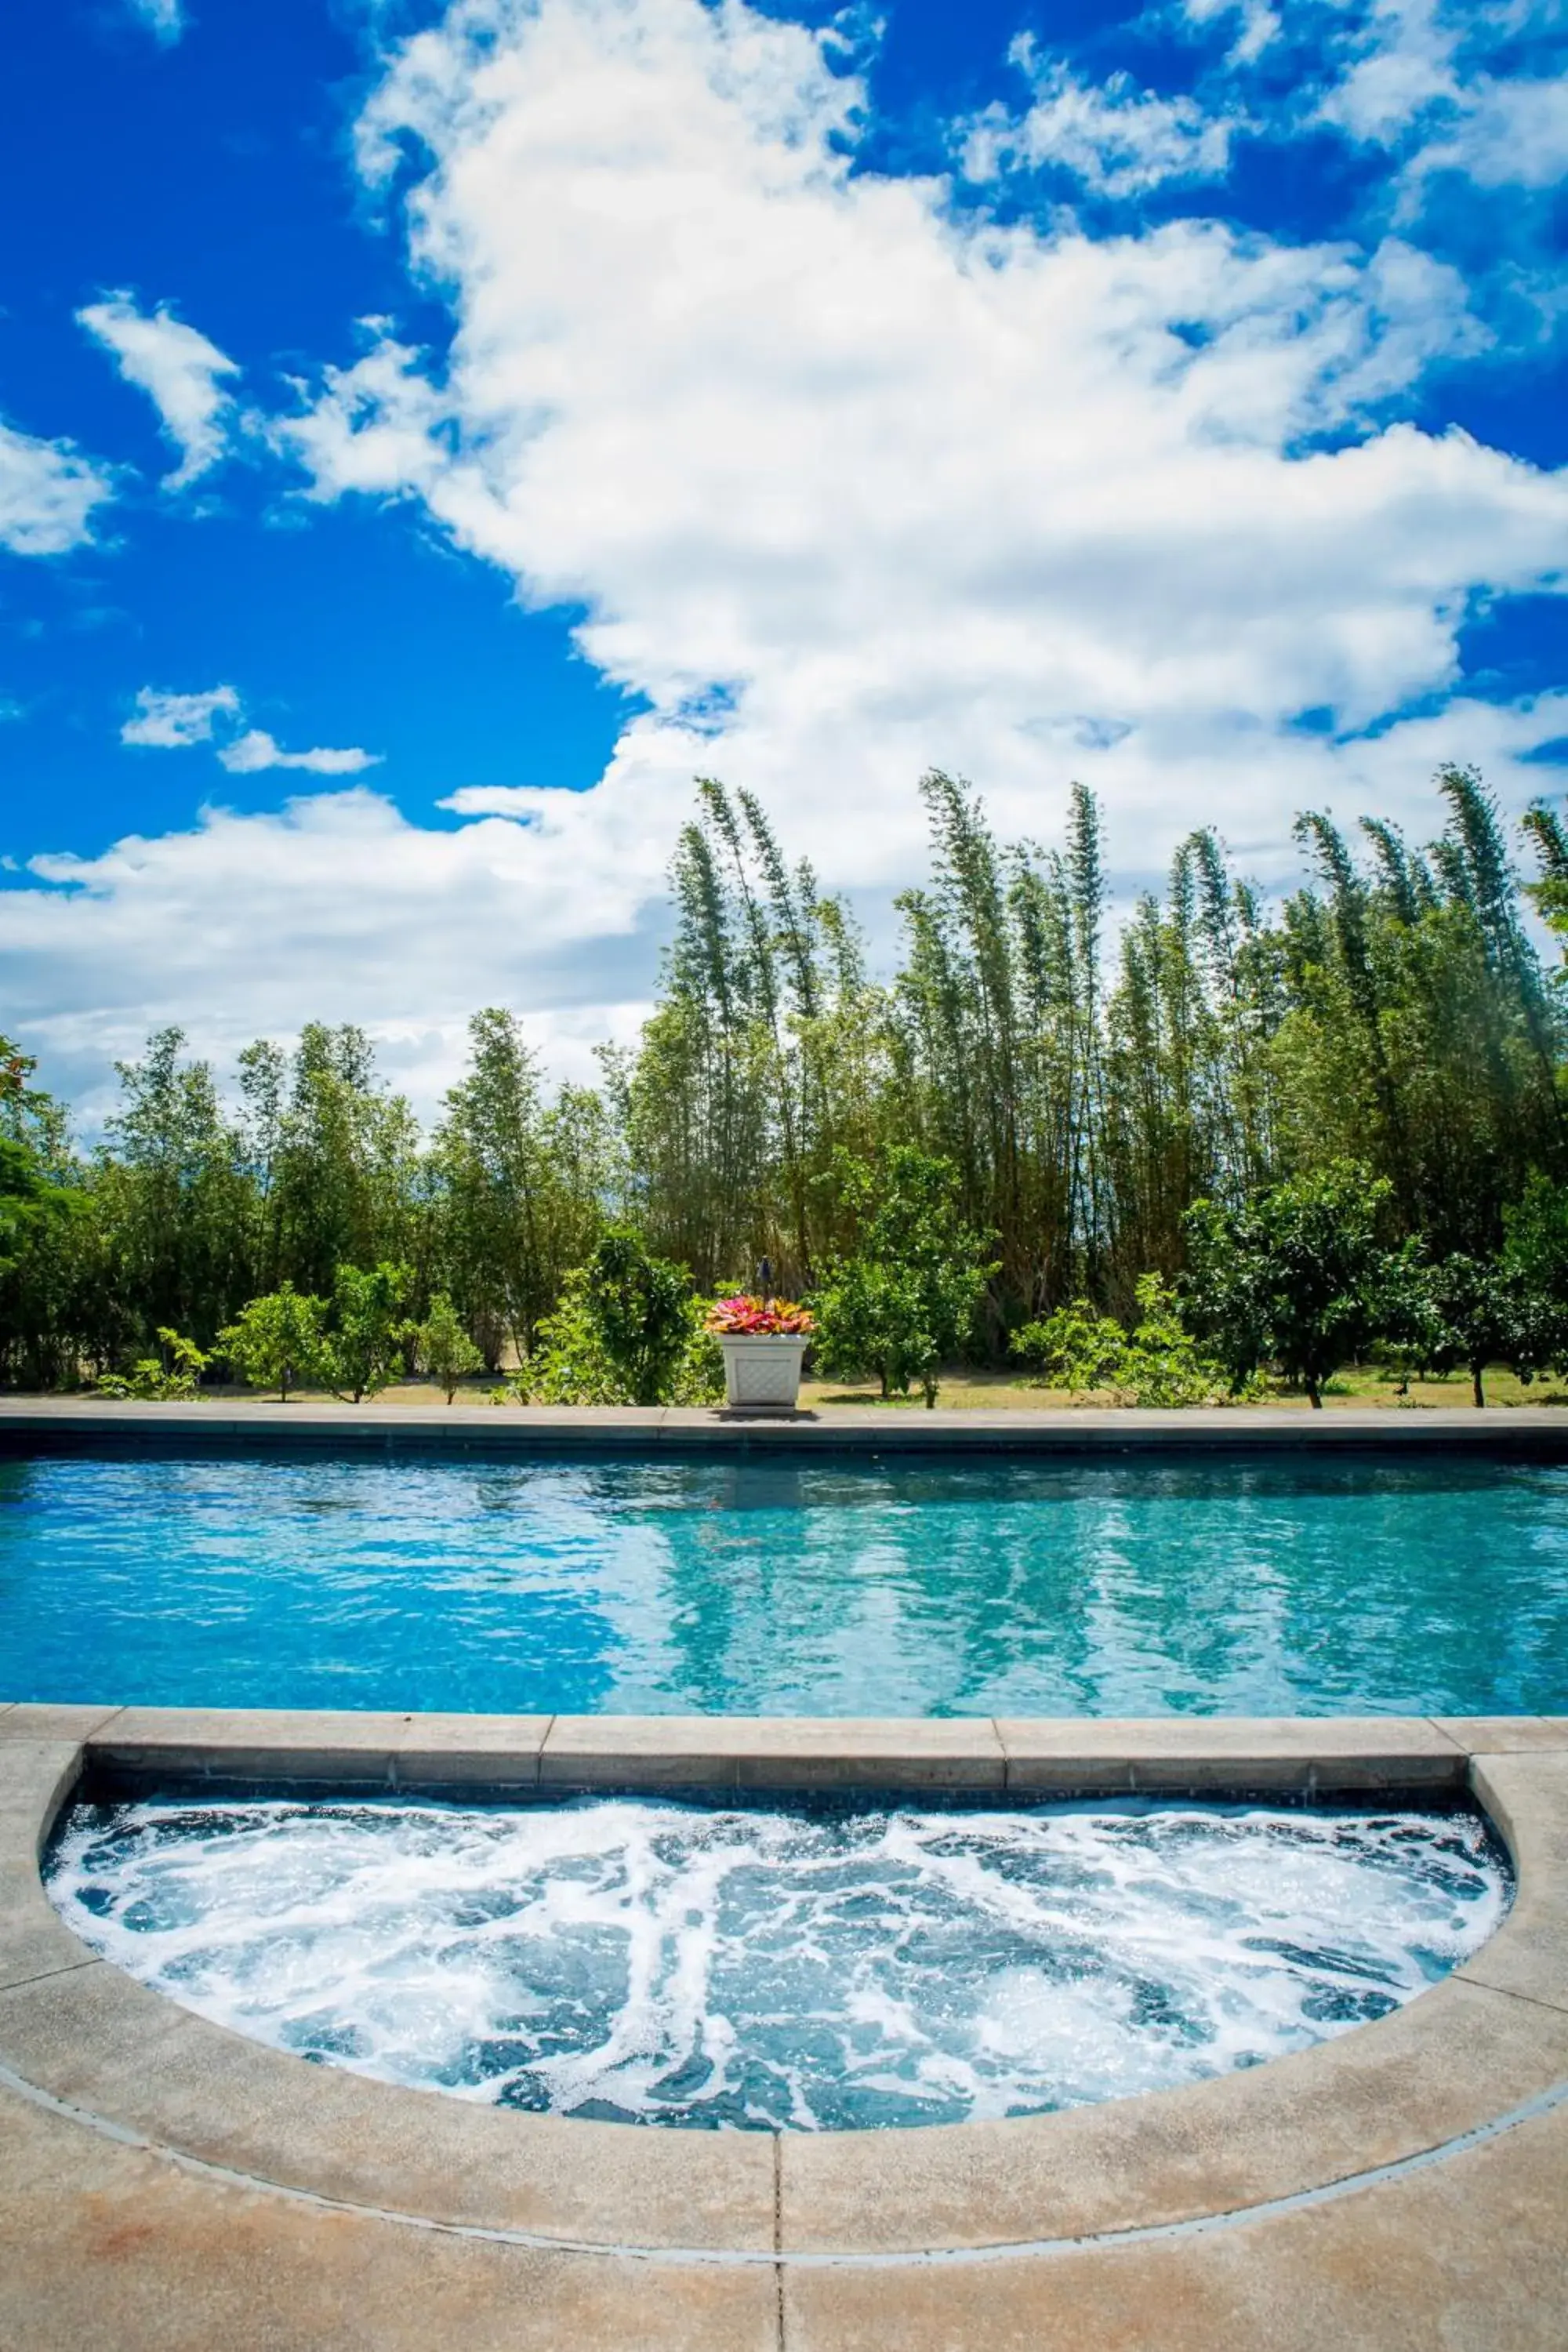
166, 2186
53, 1424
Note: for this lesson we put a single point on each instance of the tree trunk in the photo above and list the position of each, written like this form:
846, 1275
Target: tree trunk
1476, 1371
1314, 1396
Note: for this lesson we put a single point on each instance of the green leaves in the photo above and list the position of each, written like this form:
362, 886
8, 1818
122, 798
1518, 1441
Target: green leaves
628, 1331
638, 1307
442, 1346
903, 1299
1297, 1276
364, 1350
574, 1365
172, 1378
278, 1341
1159, 1362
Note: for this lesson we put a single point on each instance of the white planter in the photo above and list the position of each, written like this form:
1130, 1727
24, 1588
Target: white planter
763, 1367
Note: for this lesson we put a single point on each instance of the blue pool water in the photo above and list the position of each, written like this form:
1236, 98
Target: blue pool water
1267, 1587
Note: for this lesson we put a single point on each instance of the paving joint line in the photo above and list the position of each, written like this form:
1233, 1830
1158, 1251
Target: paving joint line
1510, 1993
46, 1976
778, 2238
781, 2259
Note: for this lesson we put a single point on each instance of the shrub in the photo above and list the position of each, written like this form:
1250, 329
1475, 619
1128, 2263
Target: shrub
442, 1346
1158, 1362
904, 1297
640, 1307
571, 1365
277, 1341
368, 1330
153, 1380
1297, 1276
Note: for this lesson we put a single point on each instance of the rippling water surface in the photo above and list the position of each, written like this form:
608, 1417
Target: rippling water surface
810, 1966
894, 1588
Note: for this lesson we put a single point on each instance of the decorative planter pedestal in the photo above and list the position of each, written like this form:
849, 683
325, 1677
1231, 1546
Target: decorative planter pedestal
763, 1368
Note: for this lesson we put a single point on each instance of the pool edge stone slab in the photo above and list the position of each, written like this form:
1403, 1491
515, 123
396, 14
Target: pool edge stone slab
712, 1753
1215, 1756
1492, 2034
82, 1425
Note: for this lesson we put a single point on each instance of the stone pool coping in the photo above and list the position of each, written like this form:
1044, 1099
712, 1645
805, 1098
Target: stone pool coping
87, 1425
1478, 2057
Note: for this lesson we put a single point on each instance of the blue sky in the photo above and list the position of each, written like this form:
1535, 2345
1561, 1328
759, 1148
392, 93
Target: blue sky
430, 436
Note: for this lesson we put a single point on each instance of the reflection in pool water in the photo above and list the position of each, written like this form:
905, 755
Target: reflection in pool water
830, 1588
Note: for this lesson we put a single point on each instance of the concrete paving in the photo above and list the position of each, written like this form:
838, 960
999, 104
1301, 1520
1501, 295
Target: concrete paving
89, 1425
166, 2184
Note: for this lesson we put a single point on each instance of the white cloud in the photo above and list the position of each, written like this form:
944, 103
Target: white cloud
164, 19
1402, 64
1118, 140
908, 487
256, 749
913, 484
47, 493
1417, 79
180, 371
1504, 134
169, 722
335, 908
174, 722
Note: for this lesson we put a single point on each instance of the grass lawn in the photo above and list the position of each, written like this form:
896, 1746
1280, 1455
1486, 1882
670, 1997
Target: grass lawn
1361, 1385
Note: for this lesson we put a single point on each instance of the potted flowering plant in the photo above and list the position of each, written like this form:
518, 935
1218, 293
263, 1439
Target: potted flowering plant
763, 1341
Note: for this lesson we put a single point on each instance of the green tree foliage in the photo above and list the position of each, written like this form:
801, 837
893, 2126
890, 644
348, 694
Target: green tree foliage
442, 1347
638, 1309
1157, 1362
54, 1291
278, 1341
1535, 1240
342, 1181
901, 1299
171, 1196
173, 1376
522, 1185
1297, 1276
365, 1347
1086, 1081
1483, 1312
572, 1364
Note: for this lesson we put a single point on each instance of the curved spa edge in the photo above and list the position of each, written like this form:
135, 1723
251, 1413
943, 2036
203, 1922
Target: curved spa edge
1487, 2047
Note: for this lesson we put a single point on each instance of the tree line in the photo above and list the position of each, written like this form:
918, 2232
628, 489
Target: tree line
1086, 1109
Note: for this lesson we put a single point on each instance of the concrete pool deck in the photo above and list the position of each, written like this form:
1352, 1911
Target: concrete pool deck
53, 1425
167, 2184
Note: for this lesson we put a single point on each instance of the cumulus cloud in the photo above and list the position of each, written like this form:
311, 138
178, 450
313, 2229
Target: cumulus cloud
909, 487
178, 369
47, 493
846, 482
1501, 134
166, 722
247, 925
169, 722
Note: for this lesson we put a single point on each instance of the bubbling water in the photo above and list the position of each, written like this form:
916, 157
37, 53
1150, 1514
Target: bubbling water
814, 1968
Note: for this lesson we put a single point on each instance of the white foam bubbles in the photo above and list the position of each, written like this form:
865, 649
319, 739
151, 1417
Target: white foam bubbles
813, 1968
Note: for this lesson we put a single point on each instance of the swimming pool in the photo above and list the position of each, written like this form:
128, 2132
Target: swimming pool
1270, 1586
